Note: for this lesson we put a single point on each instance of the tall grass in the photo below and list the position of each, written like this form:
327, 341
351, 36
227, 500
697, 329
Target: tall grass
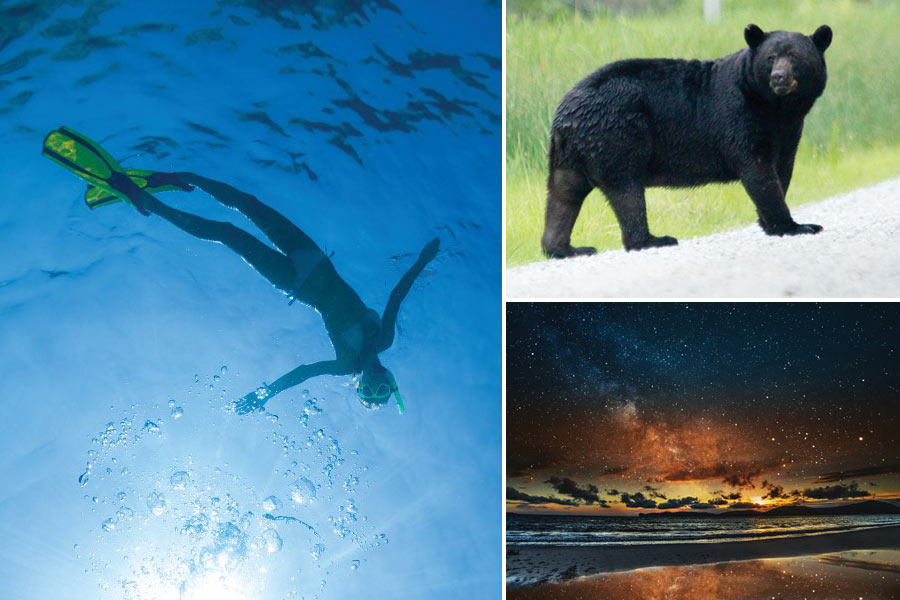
851, 137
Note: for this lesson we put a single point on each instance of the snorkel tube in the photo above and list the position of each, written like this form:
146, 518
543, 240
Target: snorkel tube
396, 391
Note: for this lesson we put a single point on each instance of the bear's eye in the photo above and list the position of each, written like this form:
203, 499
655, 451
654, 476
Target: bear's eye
771, 59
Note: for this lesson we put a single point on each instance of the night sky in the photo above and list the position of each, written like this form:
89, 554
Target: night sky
617, 408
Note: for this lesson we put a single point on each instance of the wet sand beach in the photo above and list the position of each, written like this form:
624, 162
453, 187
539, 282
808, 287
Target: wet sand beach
529, 565
853, 574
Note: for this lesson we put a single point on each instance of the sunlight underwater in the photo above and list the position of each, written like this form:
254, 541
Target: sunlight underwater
375, 126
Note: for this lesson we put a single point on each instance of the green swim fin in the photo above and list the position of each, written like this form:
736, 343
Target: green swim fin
95, 197
89, 161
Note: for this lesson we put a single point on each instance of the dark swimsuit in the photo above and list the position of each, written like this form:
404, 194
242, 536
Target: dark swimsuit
353, 327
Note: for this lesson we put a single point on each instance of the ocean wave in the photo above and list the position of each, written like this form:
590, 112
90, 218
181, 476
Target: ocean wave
670, 537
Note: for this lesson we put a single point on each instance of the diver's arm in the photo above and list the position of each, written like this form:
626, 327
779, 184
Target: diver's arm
389, 318
257, 399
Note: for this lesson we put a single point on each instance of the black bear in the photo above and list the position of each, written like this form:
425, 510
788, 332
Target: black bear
638, 123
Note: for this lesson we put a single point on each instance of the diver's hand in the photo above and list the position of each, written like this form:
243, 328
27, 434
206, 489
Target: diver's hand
160, 179
429, 251
255, 400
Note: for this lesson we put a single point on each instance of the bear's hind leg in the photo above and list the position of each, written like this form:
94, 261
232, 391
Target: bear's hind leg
566, 191
631, 211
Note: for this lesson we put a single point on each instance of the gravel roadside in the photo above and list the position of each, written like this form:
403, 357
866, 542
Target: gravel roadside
856, 256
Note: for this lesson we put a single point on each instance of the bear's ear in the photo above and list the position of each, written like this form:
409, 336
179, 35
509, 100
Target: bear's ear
754, 35
822, 38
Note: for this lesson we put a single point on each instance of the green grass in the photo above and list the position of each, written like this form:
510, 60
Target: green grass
851, 137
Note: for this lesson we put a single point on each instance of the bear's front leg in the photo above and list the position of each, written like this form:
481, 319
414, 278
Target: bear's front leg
763, 187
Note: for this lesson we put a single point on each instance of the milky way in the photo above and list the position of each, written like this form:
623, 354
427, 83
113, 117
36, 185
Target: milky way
701, 406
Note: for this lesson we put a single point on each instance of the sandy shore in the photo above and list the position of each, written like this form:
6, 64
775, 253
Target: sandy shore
853, 574
529, 565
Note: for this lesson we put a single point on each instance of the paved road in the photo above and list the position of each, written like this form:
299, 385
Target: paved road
856, 256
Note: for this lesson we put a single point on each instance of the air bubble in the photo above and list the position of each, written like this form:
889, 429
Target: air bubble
179, 480
271, 504
196, 525
272, 541
350, 507
317, 551
303, 491
156, 502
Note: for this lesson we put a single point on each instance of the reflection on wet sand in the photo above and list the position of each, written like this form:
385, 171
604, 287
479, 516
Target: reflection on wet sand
862, 574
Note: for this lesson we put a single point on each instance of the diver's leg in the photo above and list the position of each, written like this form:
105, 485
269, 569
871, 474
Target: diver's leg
269, 263
284, 234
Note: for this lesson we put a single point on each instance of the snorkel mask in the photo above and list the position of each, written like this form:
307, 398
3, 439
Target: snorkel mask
376, 395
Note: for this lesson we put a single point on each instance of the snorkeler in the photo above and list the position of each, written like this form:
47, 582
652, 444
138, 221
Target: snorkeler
299, 267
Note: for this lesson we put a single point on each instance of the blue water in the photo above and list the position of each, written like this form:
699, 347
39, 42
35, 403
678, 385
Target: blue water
547, 530
373, 125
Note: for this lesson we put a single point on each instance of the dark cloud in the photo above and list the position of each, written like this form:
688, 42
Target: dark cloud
517, 496
854, 473
739, 475
833, 492
614, 471
743, 505
732, 496
678, 502
637, 500
612, 492
775, 491
742, 479
873, 484
654, 492
718, 501
567, 487
701, 505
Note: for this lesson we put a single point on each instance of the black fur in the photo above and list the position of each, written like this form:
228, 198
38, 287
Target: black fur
640, 123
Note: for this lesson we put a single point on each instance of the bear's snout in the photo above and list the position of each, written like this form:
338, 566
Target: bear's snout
781, 79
